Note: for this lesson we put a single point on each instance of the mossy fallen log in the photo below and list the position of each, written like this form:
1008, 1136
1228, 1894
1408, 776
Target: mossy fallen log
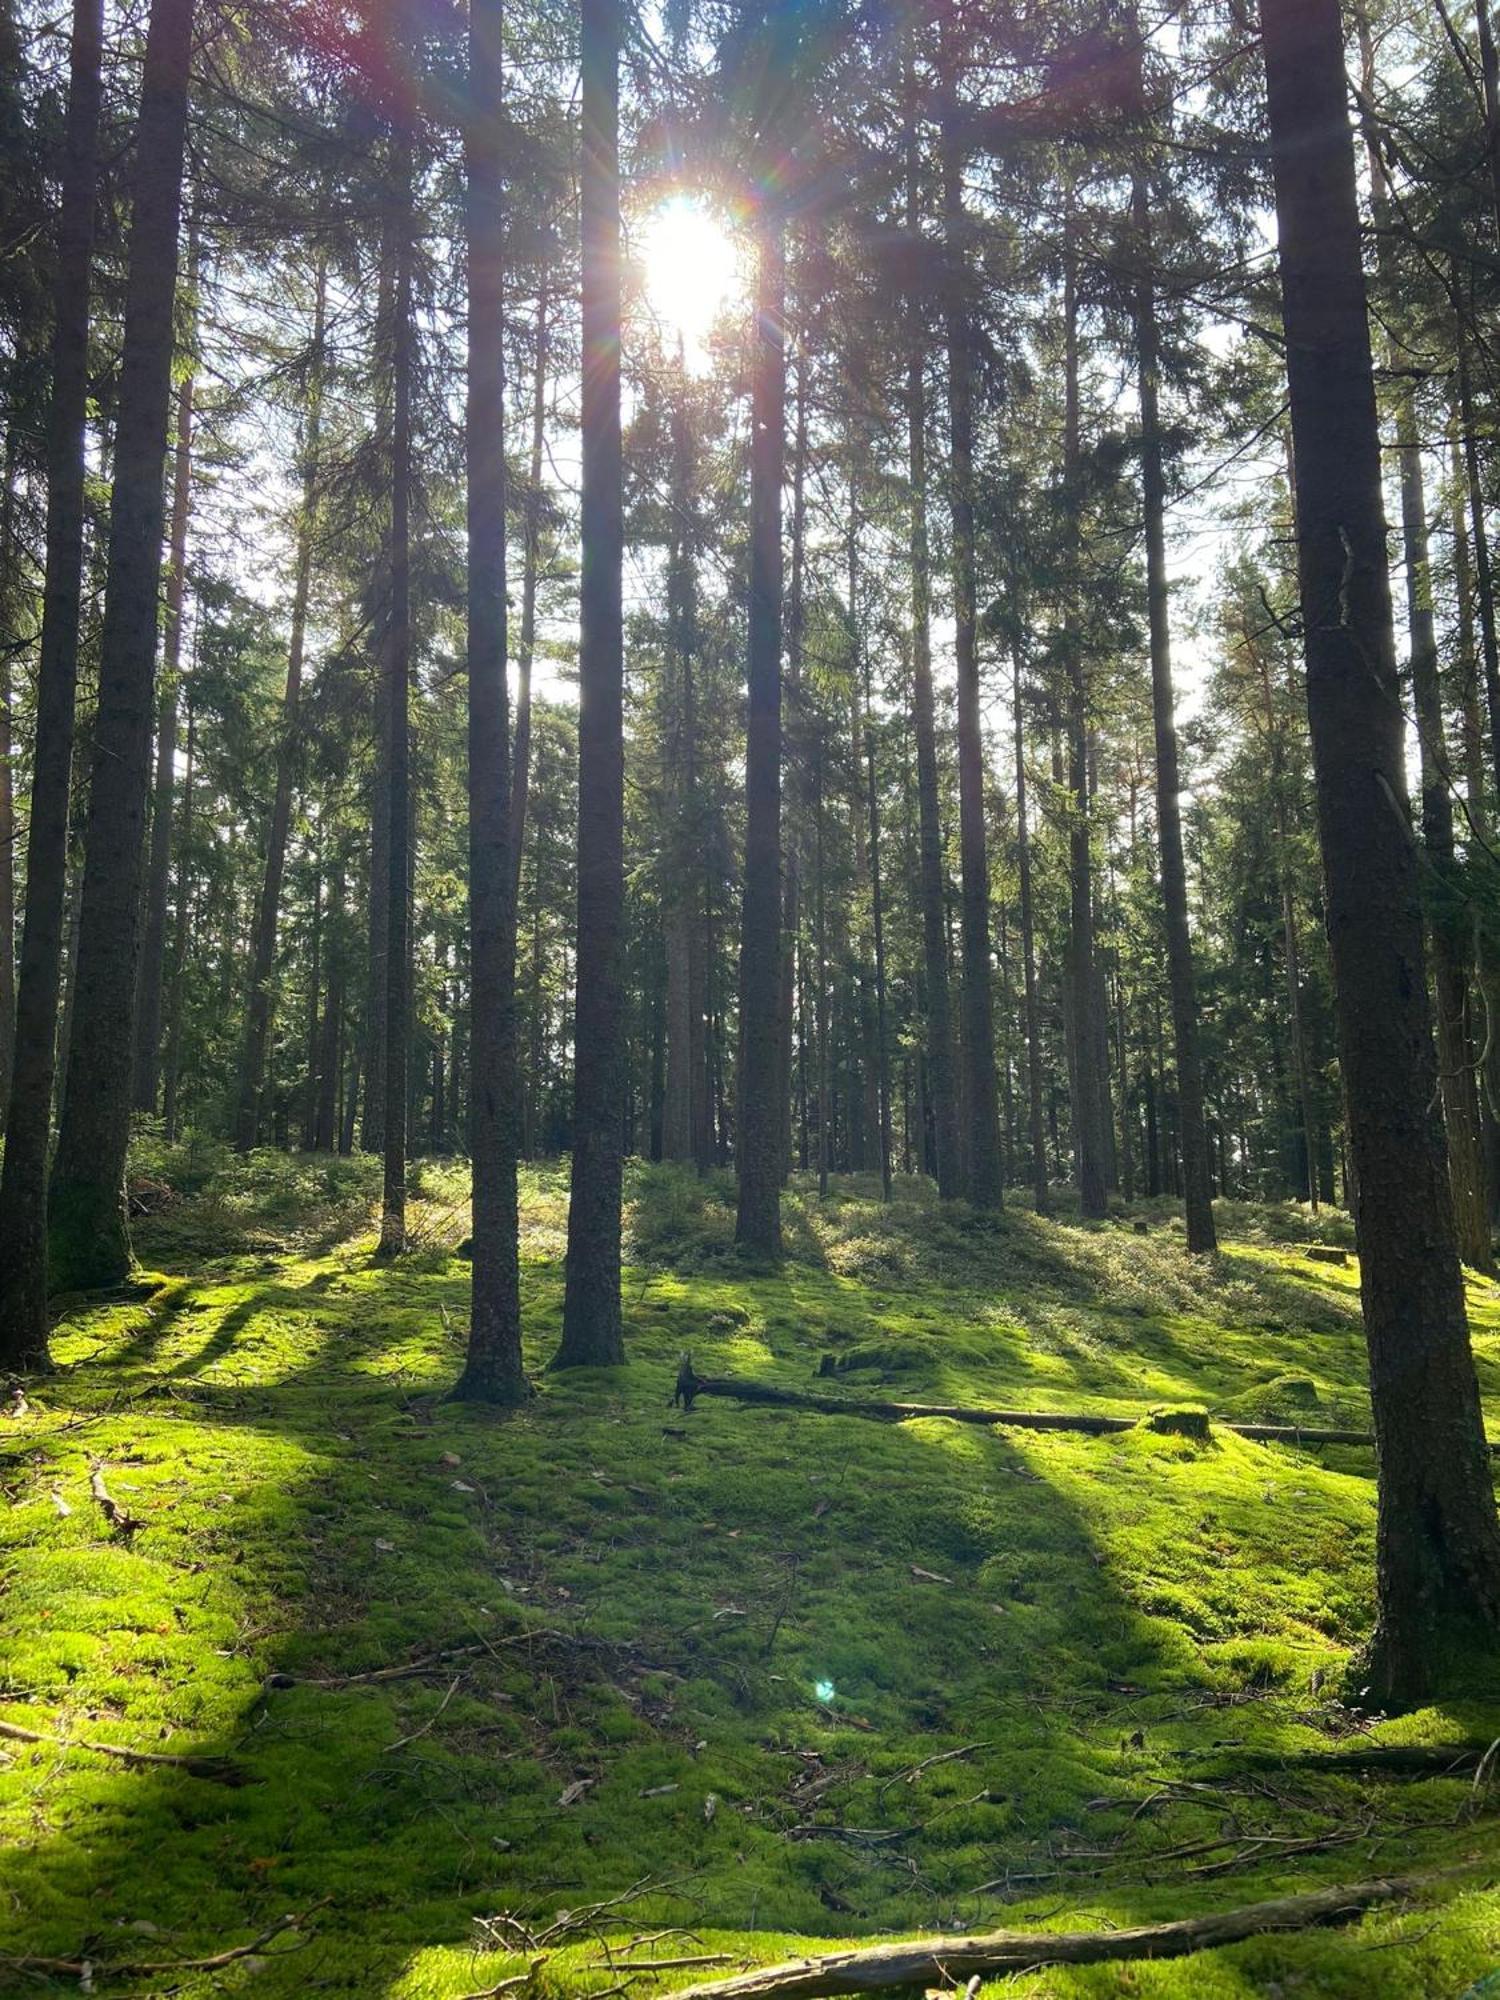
1194, 1423
954, 1960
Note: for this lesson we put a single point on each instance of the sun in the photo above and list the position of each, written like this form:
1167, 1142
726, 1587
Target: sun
692, 270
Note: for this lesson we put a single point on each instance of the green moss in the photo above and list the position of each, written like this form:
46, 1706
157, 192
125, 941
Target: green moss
785, 1614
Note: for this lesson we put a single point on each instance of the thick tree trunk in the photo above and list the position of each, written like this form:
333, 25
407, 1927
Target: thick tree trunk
9, 607
89, 1238
592, 1332
1438, 1540
985, 1174
159, 867
1197, 1193
758, 1139
493, 1368
23, 1180
396, 665
259, 1006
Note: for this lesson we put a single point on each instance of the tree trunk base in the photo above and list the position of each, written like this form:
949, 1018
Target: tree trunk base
88, 1243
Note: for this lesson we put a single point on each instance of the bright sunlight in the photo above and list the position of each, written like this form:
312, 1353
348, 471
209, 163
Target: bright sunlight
692, 267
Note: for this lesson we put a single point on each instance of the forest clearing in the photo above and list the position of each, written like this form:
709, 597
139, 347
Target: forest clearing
789, 1679
749, 998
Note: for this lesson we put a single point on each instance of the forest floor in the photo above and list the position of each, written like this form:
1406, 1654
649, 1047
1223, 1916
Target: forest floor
770, 1677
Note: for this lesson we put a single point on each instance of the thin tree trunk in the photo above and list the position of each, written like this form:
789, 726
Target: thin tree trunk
182, 927
1181, 974
1437, 1537
9, 595
263, 943
758, 1139
23, 1179
938, 1041
493, 1368
89, 1237
531, 562
877, 921
795, 751
325, 1116
1089, 1111
1041, 1189
397, 674
159, 866
985, 1176
592, 1331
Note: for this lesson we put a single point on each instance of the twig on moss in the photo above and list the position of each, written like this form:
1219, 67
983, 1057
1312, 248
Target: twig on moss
218, 1770
119, 1518
402, 1741
90, 1970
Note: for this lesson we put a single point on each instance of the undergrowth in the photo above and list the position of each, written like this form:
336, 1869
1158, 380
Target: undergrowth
771, 1676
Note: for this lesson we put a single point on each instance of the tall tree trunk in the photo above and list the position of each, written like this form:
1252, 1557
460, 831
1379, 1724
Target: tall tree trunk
1447, 914
1181, 974
259, 1006
683, 888
985, 1177
1090, 1111
89, 1238
531, 563
758, 1147
877, 924
182, 925
1437, 1539
1041, 1189
493, 1367
159, 865
23, 1178
397, 671
794, 750
325, 1115
592, 1331
938, 1040
9, 607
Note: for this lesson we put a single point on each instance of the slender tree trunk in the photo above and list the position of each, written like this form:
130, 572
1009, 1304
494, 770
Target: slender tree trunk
758, 1147
531, 563
820, 893
682, 891
877, 922
397, 671
1181, 974
89, 1238
159, 866
1041, 1189
592, 1331
1437, 1540
260, 1005
182, 927
493, 1367
1089, 1110
330, 1035
9, 607
795, 752
985, 1177
23, 1180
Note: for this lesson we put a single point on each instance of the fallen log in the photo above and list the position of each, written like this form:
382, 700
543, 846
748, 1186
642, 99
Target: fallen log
1090, 1423
877, 1968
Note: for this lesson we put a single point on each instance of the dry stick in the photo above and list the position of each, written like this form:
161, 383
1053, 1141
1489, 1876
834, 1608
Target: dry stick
876, 1968
413, 1669
1091, 1424
220, 1770
402, 1741
119, 1518
93, 1969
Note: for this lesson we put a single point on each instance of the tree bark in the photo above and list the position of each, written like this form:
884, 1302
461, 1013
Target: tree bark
758, 1140
1089, 1110
1181, 974
23, 1178
325, 1110
592, 1331
181, 937
159, 865
1041, 1188
397, 676
1437, 1540
259, 1006
531, 563
89, 1237
493, 1368
985, 1176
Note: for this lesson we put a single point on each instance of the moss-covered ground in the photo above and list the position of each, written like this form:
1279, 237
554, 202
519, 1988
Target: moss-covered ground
787, 1677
